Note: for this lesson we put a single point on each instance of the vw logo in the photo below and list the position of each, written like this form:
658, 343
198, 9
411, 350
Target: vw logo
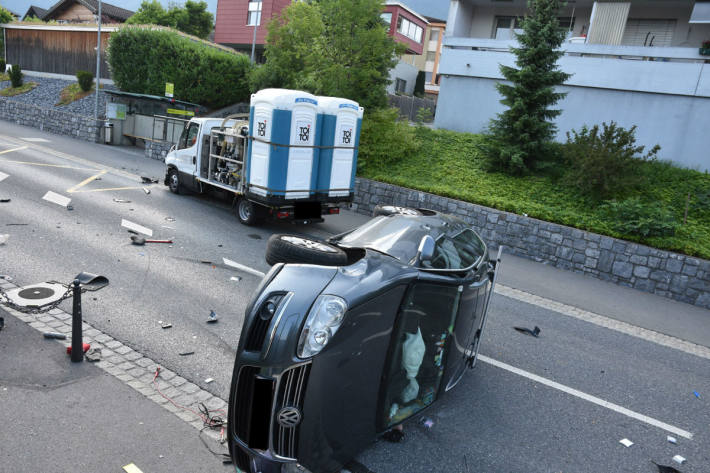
289, 417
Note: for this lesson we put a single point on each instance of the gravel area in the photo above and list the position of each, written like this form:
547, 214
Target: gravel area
46, 95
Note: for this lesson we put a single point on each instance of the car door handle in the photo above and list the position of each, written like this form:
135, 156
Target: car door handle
194, 160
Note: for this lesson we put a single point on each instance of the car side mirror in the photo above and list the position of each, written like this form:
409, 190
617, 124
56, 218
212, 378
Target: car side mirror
425, 251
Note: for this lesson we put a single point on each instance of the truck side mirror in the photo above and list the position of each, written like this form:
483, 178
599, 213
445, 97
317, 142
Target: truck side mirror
425, 251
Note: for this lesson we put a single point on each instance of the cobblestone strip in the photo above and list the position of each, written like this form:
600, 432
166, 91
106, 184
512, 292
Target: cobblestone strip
131, 367
600, 320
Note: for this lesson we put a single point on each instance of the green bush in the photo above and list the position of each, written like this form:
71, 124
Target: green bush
142, 60
2, 66
604, 163
85, 79
16, 75
645, 219
385, 139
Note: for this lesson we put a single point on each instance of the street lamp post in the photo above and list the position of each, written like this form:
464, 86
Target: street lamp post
98, 65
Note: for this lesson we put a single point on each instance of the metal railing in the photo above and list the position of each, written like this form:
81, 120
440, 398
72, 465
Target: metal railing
168, 128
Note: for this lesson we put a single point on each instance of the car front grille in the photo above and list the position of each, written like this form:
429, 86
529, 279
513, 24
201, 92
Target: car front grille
252, 416
241, 458
291, 390
257, 334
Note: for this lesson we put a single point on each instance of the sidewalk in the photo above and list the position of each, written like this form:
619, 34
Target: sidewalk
65, 417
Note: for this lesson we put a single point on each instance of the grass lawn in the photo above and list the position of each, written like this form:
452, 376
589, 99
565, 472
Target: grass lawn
448, 163
11, 91
73, 92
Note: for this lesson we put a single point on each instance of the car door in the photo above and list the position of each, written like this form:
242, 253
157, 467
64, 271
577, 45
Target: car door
187, 152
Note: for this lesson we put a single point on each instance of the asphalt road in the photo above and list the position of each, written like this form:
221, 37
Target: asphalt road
501, 417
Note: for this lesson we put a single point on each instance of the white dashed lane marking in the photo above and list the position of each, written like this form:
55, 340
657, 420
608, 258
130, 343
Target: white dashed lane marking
56, 198
588, 397
3, 176
136, 228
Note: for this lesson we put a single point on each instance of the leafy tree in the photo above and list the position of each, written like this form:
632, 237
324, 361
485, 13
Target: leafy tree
521, 136
5, 17
192, 18
331, 47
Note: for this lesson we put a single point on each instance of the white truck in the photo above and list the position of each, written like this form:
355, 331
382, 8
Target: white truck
299, 164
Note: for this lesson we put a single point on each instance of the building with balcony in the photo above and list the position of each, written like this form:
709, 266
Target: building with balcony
428, 60
634, 62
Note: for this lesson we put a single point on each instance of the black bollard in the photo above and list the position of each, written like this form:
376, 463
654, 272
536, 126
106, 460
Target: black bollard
77, 345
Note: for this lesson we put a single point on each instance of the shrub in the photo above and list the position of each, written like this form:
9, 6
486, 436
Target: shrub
635, 217
603, 163
85, 79
385, 139
16, 75
2, 66
142, 60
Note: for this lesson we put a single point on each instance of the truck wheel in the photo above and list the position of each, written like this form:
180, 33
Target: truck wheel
174, 181
248, 212
300, 250
394, 210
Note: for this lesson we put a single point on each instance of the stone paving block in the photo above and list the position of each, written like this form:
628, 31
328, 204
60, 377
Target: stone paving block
136, 372
62, 316
157, 398
178, 381
131, 356
124, 377
121, 350
189, 388
202, 396
126, 365
114, 344
143, 362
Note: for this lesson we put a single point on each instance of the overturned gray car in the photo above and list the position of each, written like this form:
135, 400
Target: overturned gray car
349, 337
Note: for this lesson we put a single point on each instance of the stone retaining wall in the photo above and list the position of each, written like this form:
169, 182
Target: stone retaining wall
157, 149
661, 272
53, 121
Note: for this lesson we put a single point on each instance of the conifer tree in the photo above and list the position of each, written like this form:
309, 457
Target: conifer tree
520, 136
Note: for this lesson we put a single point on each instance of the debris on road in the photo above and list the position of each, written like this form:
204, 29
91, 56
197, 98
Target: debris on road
427, 423
55, 198
148, 180
4, 238
535, 332
146, 190
678, 459
169, 219
122, 201
16, 224
395, 435
55, 335
2, 323
235, 278
185, 353
697, 394
140, 241
254, 236
166, 325
209, 380
664, 468
672, 440
131, 468
70, 207
626, 442
5, 200
93, 355
85, 347
5, 277
212, 318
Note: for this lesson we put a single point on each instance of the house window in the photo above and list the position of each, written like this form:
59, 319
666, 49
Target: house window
427, 77
409, 29
431, 56
254, 17
434, 35
387, 18
648, 33
506, 27
400, 85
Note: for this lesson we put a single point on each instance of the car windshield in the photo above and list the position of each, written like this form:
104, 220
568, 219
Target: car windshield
457, 245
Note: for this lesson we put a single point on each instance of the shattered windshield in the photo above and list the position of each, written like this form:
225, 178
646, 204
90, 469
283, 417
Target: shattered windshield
457, 246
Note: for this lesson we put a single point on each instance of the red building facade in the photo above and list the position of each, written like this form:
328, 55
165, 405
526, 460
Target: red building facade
406, 26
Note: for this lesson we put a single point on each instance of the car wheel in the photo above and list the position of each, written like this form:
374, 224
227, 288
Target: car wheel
248, 212
174, 181
295, 249
394, 210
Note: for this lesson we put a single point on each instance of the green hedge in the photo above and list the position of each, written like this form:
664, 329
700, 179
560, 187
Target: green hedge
142, 60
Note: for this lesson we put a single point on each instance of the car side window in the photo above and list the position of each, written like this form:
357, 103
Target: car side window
459, 251
189, 136
416, 360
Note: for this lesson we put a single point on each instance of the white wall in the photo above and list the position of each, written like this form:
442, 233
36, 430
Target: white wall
404, 71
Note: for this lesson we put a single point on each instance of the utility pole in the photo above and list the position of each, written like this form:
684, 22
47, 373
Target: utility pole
98, 65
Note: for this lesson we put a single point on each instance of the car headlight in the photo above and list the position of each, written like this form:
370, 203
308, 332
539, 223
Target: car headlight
322, 322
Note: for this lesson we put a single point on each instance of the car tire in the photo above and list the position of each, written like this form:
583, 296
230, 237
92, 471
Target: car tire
300, 250
394, 210
174, 182
248, 212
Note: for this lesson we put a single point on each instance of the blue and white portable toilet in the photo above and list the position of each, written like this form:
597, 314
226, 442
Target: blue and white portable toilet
282, 160
341, 120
